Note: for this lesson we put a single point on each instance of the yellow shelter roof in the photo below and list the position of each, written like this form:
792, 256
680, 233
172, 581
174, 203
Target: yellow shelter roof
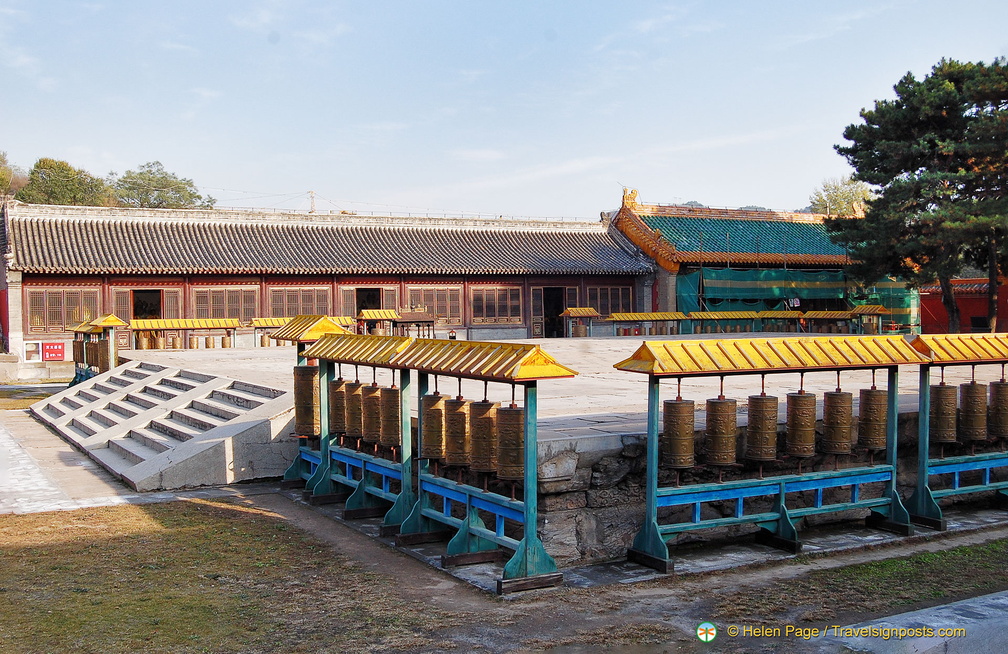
359, 349
723, 315
184, 323
87, 328
580, 312
870, 310
755, 355
827, 315
963, 348
647, 316
307, 329
505, 362
269, 322
108, 320
778, 315
378, 314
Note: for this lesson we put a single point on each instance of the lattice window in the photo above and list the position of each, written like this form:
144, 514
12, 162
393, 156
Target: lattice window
51, 311
123, 306
171, 300
445, 304
288, 302
496, 305
610, 299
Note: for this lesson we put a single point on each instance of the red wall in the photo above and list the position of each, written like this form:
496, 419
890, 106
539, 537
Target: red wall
934, 318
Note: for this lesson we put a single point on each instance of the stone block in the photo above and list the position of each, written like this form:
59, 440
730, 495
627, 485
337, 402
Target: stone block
560, 467
579, 482
609, 471
562, 502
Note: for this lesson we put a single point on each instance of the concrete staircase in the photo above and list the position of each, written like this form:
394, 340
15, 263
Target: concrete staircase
158, 427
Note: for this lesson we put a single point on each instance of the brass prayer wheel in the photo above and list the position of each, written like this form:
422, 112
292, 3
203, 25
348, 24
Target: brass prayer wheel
432, 435
838, 419
873, 409
761, 433
337, 406
391, 423
972, 412
225, 341
721, 431
354, 410
483, 436
676, 444
456, 435
307, 417
193, 342
943, 414
801, 417
511, 443
997, 420
371, 402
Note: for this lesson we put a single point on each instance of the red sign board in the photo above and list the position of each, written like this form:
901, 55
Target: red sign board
53, 352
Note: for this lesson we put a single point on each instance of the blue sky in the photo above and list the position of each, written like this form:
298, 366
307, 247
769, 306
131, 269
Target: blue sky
514, 108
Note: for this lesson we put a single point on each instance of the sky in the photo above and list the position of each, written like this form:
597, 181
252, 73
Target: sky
537, 109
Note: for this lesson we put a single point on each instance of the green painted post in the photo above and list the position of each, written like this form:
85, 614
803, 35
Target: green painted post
897, 512
924, 510
301, 360
648, 540
531, 557
415, 523
407, 495
326, 375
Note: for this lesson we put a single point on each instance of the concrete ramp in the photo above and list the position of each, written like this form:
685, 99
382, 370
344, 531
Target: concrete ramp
159, 427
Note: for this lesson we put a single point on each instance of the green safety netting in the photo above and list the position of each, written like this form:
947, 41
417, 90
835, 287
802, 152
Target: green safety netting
727, 283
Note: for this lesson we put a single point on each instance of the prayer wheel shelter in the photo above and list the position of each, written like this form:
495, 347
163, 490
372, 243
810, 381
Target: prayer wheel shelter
579, 320
763, 356
302, 331
160, 334
657, 322
973, 425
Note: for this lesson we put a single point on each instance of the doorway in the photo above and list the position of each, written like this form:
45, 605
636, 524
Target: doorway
553, 306
147, 305
368, 298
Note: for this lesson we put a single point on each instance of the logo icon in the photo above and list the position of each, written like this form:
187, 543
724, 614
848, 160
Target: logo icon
706, 632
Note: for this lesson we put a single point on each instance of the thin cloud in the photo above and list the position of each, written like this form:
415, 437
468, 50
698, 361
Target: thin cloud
830, 26
30, 68
174, 46
323, 37
478, 155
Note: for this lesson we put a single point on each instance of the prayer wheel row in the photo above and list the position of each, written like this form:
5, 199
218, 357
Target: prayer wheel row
481, 435
976, 420
676, 445
370, 413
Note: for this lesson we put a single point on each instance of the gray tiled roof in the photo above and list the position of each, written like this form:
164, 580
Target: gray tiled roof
77, 240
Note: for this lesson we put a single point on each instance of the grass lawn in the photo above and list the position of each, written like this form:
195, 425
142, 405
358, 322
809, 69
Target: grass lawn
194, 576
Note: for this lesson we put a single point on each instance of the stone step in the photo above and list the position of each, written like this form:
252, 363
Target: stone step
195, 376
134, 374
87, 426
199, 421
53, 410
102, 388
155, 441
255, 389
141, 402
176, 383
132, 450
150, 367
154, 391
70, 402
111, 459
237, 398
119, 381
121, 410
86, 395
173, 429
214, 408
102, 417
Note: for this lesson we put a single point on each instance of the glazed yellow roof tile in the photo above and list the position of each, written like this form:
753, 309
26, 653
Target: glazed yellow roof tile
754, 355
647, 316
87, 328
307, 328
108, 320
580, 312
827, 315
780, 314
723, 315
344, 321
506, 362
359, 349
869, 310
270, 322
185, 323
963, 348
378, 314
